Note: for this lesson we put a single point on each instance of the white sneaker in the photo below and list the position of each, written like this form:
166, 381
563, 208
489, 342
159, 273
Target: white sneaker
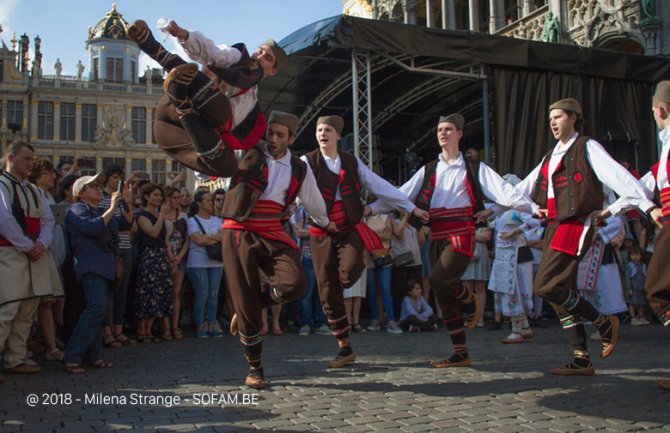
635, 321
374, 326
644, 321
393, 328
304, 331
54, 355
595, 336
323, 330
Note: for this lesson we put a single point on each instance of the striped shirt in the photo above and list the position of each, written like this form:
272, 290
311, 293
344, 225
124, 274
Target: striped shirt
124, 237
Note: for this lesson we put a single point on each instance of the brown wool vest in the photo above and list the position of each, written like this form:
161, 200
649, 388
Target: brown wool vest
251, 180
577, 190
350, 188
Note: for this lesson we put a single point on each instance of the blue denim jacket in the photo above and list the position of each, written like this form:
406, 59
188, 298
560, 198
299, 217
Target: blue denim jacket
94, 244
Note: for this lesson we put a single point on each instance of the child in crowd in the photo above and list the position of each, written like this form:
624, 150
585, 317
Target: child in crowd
636, 274
415, 313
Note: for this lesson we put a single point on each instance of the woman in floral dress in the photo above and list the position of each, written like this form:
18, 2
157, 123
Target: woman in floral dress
154, 275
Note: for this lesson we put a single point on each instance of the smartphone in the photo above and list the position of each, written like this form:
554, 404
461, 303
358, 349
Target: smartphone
120, 187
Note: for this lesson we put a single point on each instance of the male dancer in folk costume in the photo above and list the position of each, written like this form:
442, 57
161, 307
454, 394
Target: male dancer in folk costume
568, 187
27, 269
658, 272
338, 257
200, 122
453, 188
268, 180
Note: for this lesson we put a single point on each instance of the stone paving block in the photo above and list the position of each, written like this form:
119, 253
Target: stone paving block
537, 416
439, 416
374, 412
363, 420
309, 420
508, 429
118, 426
395, 416
351, 429
417, 428
79, 429
383, 426
477, 426
297, 427
330, 425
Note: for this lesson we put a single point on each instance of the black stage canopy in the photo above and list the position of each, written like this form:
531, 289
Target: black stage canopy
419, 73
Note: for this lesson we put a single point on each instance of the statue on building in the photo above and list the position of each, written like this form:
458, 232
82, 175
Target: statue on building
80, 70
149, 74
58, 67
24, 55
36, 68
552, 29
37, 58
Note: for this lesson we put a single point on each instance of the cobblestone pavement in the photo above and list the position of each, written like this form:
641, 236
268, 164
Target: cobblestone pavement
390, 388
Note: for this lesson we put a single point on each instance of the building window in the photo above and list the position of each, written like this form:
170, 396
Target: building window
133, 72
67, 121
89, 121
178, 167
96, 69
15, 114
158, 171
2, 72
114, 69
153, 123
139, 124
45, 121
138, 165
108, 162
88, 165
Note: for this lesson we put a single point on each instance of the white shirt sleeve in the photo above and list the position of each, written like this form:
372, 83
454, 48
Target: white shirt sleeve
649, 183
9, 228
204, 51
312, 200
631, 192
410, 189
497, 190
383, 190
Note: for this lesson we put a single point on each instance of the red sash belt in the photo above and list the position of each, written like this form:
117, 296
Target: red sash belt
265, 220
456, 225
256, 133
33, 230
665, 204
370, 239
569, 235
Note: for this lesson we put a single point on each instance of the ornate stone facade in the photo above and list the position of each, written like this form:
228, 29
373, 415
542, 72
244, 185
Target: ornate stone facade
626, 25
96, 117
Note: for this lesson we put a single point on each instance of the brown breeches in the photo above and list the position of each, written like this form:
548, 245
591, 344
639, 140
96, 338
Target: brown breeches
556, 275
175, 142
658, 273
338, 264
245, 253
445, 278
